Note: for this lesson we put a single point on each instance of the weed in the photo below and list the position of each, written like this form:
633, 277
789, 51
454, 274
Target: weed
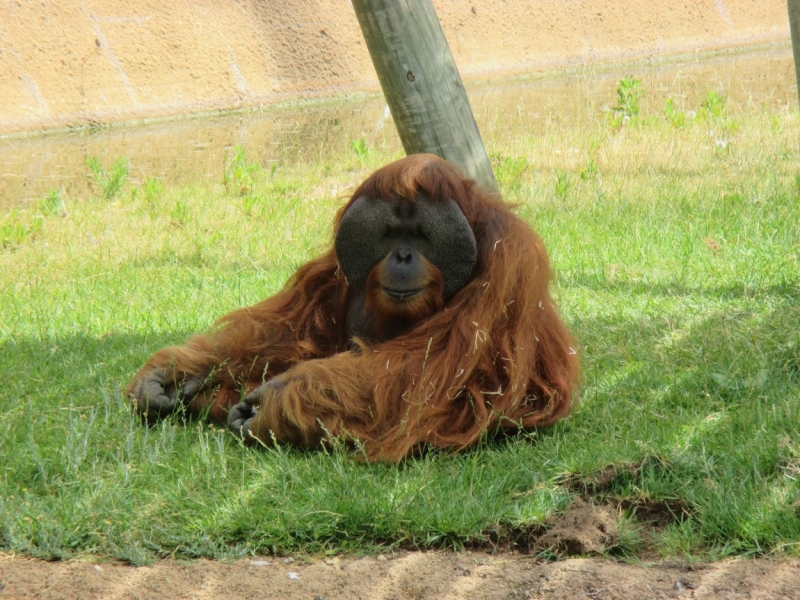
52, 205
180, 212
359, 147
722, 145
15, 230
562, 184
629, 94
109, 181
249, 202
675, 117
589, 171
713, 106
153, 190
238, 174
629, 537
510, 171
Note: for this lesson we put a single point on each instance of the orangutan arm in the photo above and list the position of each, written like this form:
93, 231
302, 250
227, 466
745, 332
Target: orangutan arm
309, 401
172, 378
208, 374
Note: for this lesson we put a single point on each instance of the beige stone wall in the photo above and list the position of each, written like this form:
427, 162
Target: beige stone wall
75, 62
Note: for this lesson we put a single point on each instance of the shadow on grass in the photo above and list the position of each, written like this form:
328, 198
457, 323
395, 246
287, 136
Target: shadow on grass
69, 369
707, 401
707, 404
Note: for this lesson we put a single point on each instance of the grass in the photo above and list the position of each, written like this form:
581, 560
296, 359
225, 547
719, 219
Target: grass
108, 181
675, 240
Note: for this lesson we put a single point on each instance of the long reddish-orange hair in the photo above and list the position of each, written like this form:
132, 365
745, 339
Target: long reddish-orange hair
496, 356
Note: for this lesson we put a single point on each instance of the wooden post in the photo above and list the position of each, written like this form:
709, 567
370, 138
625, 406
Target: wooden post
794, 27
421, 84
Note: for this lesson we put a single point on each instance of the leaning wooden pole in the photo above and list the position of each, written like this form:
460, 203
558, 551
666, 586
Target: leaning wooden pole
422, 85
794, 26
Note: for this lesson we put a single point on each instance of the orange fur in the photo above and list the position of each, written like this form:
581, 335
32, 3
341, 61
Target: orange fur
497, 355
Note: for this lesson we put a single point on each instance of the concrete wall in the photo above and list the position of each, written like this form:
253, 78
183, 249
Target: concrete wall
78, 62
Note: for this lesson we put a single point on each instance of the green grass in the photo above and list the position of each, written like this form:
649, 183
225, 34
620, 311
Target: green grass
108, 182
676, 246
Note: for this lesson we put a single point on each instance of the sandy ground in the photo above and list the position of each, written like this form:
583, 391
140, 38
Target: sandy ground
406, 576
81, 62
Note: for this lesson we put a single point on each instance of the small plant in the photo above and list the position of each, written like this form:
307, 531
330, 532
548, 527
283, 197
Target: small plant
562, 184
510, 171
629, 93
109, 181
180, 213
594, 144
775, 125
590, 170
630, 538
722, 145
249, 202
52, 204
676, 118
714, 105
13, 230
360, 148
153, 188
511, 167
152, 191
238, 175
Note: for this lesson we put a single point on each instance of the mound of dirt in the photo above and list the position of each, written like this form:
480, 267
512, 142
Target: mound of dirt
581, 529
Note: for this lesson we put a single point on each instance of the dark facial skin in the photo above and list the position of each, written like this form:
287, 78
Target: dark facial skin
403, 273
404, 261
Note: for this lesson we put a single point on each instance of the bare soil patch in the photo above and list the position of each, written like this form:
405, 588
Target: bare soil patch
407, 575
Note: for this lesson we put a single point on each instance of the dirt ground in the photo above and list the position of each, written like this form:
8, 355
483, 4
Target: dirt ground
475, 575
75, 63
405, 576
